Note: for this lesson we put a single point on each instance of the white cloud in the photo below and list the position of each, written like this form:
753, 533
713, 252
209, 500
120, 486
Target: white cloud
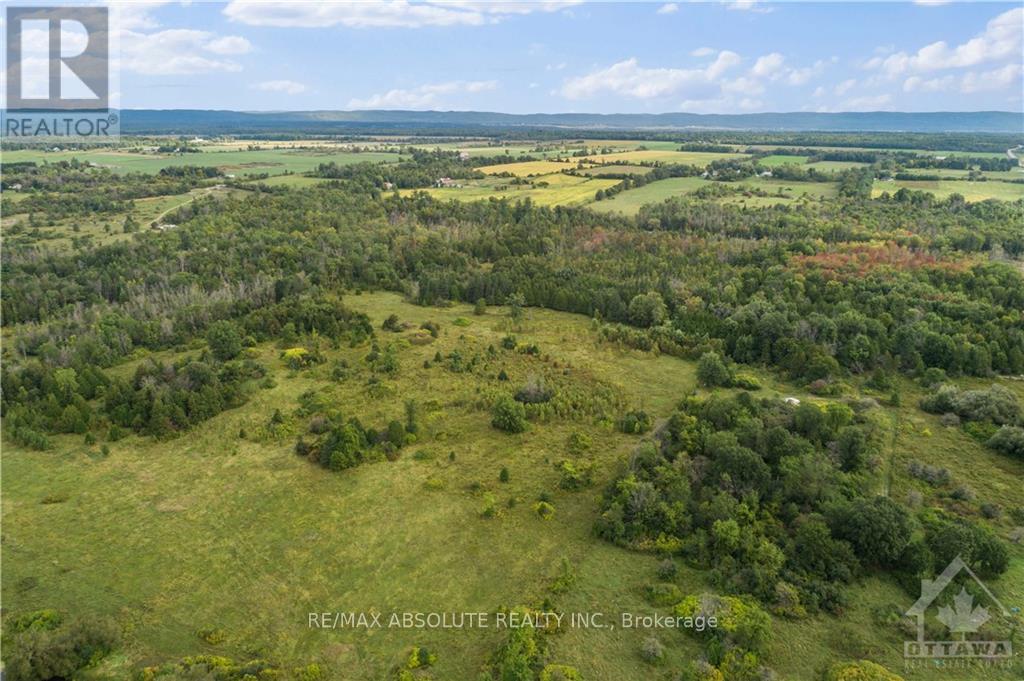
819, 91
629, 79
176, 51
996, 79
229, 44
844, 87
802, 75
668, 8
932, 3
703, 52
384, 13
870, 103
919, 84
555, 67
422, 97
748, 6
288, 87
768, 65
1003, 38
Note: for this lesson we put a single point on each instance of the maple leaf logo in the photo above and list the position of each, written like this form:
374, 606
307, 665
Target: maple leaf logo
963, 617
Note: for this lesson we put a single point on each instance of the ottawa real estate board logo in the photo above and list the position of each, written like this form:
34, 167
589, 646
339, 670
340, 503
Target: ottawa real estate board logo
57, 75
961, 617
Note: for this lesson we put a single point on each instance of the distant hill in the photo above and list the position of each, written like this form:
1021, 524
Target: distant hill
196, 120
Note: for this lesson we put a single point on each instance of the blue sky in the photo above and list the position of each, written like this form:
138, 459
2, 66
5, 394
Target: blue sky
558, 56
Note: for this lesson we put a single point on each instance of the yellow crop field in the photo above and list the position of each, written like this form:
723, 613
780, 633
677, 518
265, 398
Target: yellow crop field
556, 189
528, 168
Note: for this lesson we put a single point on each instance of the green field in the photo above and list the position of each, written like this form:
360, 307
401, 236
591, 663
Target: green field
615, 169
214, 531
697, 158
833, 166
971, 191
629, 201
782, 160
556, 189
239, 163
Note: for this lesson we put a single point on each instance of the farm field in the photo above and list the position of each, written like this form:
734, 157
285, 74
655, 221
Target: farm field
971, 191
614, 169
782, 159
698, 158
528, 168
835, 166
271, 161
561, 190
789, 189
629, 202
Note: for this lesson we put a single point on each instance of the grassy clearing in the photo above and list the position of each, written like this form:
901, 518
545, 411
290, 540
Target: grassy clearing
971, 191
630, 201
835, 166
598, 171
237, 534
556, 189
782, 160
100, 229
527, 168
214, 531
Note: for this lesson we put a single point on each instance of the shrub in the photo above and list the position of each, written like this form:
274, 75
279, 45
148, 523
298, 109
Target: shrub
575, 475
712, 371
1008, 440
559, 672
535, 391
508, 415
543, 509
862, 670
635, 422
651, 649
503, 476
225, 340
933, 475
667, 569
490, 507
480, 307
47, 647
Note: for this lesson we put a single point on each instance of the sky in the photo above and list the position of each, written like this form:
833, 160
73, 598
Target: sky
551, 56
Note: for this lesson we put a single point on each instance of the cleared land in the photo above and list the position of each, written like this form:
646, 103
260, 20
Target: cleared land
239, 163
630, 201
548, 190
782, 160
232, 534
971, 191
697, 158
527, 168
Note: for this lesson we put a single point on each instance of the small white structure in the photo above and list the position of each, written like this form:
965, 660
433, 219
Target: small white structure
792, 400
463, 155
